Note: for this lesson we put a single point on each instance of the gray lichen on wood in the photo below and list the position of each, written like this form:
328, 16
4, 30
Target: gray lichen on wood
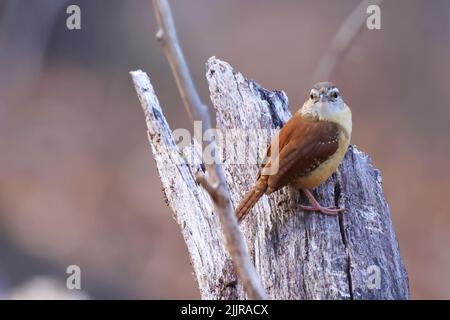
298, 255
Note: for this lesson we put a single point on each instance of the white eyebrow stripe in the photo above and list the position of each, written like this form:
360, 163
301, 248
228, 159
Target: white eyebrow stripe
334, 90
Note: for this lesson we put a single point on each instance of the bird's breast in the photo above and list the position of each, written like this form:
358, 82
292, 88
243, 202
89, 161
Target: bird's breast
326, 168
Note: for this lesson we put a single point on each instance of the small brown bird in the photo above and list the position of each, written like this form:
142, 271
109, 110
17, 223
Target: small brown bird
311, 146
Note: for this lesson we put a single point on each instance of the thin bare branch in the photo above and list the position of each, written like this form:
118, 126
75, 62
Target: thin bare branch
167, 35
200, 177
220, 195
342, 40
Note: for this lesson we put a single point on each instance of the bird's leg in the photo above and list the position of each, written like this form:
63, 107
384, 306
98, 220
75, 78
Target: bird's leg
316, 207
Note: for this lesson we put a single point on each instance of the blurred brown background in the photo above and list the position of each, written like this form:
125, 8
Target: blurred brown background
77, 181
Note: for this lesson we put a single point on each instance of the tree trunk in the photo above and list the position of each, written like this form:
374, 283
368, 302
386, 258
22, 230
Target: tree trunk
298, 255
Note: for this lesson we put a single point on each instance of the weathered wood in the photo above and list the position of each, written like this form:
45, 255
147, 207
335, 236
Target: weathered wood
214, 179
298, 255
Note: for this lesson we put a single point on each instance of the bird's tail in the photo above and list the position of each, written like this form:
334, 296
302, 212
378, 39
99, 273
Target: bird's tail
250, 198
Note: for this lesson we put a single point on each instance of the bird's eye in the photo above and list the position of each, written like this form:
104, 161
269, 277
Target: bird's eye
312, 96
334, 94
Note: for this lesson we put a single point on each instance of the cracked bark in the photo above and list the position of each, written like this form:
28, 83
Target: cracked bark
298, 255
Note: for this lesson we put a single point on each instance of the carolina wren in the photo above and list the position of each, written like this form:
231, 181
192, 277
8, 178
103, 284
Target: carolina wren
311, 146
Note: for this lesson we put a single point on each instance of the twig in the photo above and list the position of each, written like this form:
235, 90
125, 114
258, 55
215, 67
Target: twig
235, 242
200, 177
342, 39
167, 35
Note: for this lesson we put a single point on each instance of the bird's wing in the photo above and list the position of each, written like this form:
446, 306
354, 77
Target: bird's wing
304, 145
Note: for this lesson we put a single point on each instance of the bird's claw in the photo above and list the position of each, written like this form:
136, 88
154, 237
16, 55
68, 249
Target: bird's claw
332, 211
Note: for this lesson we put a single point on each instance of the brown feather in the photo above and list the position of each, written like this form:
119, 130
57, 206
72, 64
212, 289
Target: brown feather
251, 197
304, 144
310, 143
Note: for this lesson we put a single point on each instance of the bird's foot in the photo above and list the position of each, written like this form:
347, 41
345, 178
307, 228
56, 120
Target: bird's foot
316, 207
331, 211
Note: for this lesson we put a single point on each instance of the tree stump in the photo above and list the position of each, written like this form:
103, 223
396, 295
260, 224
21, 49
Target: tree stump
297, 254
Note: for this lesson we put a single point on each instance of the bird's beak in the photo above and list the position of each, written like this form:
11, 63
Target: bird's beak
322, 98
